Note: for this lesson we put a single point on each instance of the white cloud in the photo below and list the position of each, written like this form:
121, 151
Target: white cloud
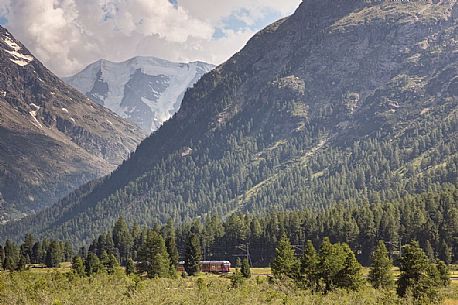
69, 34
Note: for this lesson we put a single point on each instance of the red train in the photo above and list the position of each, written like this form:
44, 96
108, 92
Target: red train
210, 266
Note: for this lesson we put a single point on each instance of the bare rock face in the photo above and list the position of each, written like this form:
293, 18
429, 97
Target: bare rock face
344, 100
52, 138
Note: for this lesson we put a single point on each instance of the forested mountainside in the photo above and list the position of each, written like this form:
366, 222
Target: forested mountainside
52, 138
147, 91
342, 100
431, 218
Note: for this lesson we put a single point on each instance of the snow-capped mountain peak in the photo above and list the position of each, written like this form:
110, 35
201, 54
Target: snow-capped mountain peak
145, 90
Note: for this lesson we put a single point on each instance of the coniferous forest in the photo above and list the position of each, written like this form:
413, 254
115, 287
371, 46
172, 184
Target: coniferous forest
306, 249
319, 162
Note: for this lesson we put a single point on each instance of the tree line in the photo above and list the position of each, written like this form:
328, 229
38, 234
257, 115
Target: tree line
431, 218
334, 266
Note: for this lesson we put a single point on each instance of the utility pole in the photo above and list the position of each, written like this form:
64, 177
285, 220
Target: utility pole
246, 249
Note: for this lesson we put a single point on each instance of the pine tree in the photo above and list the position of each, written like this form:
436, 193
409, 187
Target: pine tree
53, 255
108, 261
153, 256
26, 248
445, 252
170, 243
332, 260
122, 239
68, 251
285, 263
111, 264
245, 269
130, 267
78, 266
309, 267
349, 277
38, 253
22, 264
2, 256
92, 264
380, 274
419, 277
193, 254
11, 253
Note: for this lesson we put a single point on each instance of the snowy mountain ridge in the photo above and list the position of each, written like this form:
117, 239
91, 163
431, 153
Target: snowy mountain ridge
147, 91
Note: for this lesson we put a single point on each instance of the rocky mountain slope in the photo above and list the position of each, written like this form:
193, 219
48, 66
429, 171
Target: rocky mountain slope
52, 138
147, 91
342, 101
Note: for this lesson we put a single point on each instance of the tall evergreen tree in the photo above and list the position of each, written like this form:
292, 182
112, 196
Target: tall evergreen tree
78, 266
38, 253
2, 256
285, 262
419, 277
92, 264
68, 251
54, 255
22, 264
349, 277
111, 263
130, 267
153, 256
309, 267
380, 274
170, 243
193, 254
26, 248
332, 260
11, 253
122, 239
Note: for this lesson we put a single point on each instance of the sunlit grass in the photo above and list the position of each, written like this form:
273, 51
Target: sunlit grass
55, 287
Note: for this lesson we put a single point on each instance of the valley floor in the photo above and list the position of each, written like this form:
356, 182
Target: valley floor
56, 287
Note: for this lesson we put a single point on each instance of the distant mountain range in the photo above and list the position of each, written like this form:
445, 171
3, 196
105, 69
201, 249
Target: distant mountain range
52, 138
147, 91
344, 101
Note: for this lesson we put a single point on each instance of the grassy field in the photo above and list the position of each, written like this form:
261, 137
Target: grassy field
58, 287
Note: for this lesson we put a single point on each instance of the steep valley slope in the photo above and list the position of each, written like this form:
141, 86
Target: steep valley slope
342, 101
52, 138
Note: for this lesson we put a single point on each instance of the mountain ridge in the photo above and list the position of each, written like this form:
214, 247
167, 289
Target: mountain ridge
145, 90
53, 139
329, 105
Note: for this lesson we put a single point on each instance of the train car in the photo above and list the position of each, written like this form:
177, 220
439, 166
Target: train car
210, 266
215, 266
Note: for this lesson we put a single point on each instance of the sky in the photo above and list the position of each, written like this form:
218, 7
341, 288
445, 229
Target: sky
67, 35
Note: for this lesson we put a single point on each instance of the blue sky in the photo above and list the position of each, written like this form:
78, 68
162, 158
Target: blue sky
68, 35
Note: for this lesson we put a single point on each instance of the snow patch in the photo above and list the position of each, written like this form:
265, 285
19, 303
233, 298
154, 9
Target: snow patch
18, 58
187, 151
109, 122
34, 106
65, 110
425, 111
35, 122
33, 113
3, 93
116, 75
73, 120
